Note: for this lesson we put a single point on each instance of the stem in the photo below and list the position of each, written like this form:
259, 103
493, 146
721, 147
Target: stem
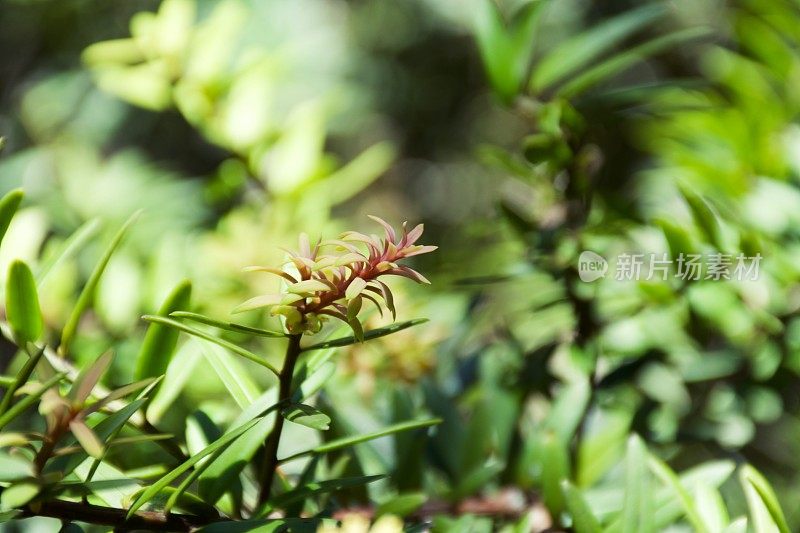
270, 464
117, 518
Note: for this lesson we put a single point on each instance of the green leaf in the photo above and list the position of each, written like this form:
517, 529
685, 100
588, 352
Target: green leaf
88, 378
75, 242
506, 49
622, 61
87, 439
761, 497
278, 525
104, 430
22, 377
179, 372
236, 380
22, 304
638, 508
583, 521
19, 494
216, 340
8, 208
670, 478
368, 335
218, 444
29, 400
576, 53
228, 326
314, 488
402, 504
87, 294
555, 468
357, 439
305, 415
160, 340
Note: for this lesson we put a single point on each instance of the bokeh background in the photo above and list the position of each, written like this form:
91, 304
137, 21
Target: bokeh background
520, 135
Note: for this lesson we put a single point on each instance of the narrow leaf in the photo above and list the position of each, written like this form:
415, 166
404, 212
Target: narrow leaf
583, 521
315, 488
638, 508
87, 439
216, 340
579, 51
87, 294
357, 439
8, 208
75, 242
21, 378
218, 444
758, 488
160, 340
308, 416
22, 304
29, 400
228, 326
670, 478
368, 335
88, 378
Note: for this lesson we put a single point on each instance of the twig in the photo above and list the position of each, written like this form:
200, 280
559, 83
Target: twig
270, 464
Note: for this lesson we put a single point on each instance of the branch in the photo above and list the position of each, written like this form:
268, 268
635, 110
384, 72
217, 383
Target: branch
110, 516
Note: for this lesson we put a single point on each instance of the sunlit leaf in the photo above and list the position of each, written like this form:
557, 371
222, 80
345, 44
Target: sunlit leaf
21, 378
160, 340
22, 304
19, 407
305, 415
368, 335
760, 498
228, 326
89, 377
216, 340
18, 495
87, 294
87, 439
346, 442
670, 478
8, 207
638, 509
583, 521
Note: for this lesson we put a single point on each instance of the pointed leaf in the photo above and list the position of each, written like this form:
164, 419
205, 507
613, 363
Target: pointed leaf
8, 208
160, 340
22, 304
87, 294
314, 488
346, 442
75, 242
638, 508
670, 478
218, 444
216, 340
88, 378
579, 51
19, 407
368, 335
22, 377
228, 326
308, 416
758, 490
87, 439
583, 521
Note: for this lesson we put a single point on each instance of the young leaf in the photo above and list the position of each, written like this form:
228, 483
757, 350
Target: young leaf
368, 335
357, 439
308, 416
19, 494
29, 400
87, 439
218, 444
228, 326
8, 207
216, 340
22, 304
583, 521
160, 340
88, 378
21, 378
86, 295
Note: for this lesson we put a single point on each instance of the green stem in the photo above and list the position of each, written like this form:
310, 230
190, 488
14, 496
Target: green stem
270, 464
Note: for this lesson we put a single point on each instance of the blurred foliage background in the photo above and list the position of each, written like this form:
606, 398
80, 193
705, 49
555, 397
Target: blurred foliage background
521, 133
